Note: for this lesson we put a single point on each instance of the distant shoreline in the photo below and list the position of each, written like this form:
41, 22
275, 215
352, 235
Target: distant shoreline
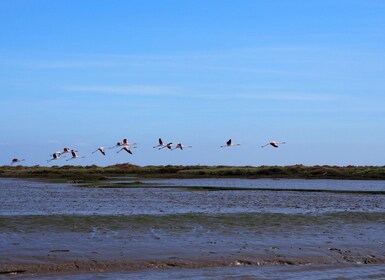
95, 173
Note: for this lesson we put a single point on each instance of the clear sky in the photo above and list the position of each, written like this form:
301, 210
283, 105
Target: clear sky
89, 73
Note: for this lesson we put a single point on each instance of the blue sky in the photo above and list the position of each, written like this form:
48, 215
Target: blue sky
88, 73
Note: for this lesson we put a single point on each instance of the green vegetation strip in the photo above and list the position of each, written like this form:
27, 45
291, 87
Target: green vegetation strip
93, 173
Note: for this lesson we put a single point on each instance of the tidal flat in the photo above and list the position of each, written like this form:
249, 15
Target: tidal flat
167, 228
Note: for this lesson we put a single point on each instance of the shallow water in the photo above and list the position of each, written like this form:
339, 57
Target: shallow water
20, 197
183, 227
300, 184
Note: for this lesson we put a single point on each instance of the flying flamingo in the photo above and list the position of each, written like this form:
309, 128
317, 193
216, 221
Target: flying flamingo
74, 155
229, 144
66, 150
274, 144
161, 144
123, 143
180, 146
126, 148
168, 146
15, 160
55, 156
100, 149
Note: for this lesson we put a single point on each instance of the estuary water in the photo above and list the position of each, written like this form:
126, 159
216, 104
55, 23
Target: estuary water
279, 184
194, 229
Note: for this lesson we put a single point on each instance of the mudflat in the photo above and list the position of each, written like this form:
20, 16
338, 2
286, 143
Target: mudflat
61, 229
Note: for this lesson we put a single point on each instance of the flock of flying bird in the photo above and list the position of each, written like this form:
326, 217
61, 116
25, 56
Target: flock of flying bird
124, 145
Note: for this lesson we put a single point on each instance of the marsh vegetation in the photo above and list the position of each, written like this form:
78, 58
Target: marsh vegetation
97, 173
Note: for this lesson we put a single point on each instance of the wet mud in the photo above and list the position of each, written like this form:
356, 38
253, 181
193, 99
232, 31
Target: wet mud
56, 229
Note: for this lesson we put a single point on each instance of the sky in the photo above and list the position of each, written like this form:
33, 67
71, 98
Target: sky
84, 74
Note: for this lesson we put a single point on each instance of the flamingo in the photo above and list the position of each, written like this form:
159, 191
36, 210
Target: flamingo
123, 143
100, 149
15, 160
55, 156
74, 155
229, 144
66, 150
126, 148
161, 144
274, 144
168, 146
180, 146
